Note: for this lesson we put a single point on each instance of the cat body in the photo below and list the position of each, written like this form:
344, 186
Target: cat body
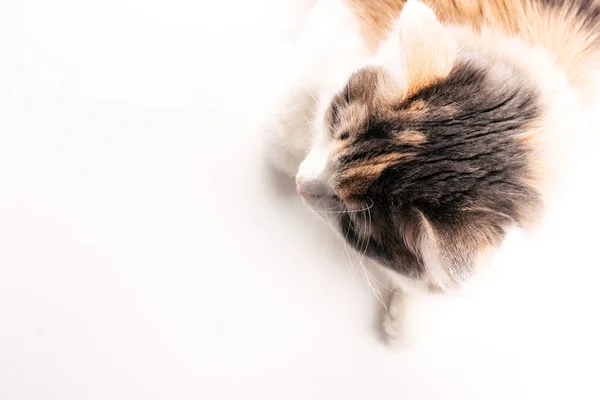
433, 128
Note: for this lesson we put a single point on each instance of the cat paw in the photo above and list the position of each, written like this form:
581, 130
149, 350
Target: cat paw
396, 333
282, 159
401, 323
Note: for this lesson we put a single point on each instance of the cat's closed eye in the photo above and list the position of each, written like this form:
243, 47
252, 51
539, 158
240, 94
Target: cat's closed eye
343, 135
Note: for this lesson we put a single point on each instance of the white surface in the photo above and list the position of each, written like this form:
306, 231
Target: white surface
146, 252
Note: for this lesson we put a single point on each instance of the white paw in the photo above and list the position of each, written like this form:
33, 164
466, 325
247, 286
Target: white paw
392, 328
394, 322
403, 323
283, 159
284, 143
287, 135
397, 333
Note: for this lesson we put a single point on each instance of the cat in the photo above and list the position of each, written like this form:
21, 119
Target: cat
429, 129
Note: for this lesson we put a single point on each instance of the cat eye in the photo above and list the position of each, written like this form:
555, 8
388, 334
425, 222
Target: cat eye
343, 136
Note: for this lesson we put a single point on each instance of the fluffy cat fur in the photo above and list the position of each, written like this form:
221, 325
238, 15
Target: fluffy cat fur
433, 128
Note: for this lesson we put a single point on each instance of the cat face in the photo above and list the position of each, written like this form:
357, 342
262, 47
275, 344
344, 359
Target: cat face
425, 174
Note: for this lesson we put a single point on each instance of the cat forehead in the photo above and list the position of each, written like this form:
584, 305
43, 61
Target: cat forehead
386, 129
473, 82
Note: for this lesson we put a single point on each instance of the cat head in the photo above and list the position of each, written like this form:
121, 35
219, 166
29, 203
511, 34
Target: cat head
427, 159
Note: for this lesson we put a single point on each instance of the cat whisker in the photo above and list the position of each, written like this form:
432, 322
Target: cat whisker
356, 258
311, 94
366, 273
346, 211
347, 251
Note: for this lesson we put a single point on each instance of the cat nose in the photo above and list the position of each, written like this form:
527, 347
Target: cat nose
312, 189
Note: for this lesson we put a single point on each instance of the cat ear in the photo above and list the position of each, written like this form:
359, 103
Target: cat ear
451, 247
419, 50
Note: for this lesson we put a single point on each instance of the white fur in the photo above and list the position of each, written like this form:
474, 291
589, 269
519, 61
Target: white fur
429, 250
330, 50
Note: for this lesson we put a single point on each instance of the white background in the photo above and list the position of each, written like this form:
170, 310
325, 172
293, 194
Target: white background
146, 252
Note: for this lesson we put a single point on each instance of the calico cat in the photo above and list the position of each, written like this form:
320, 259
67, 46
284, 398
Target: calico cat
432, 128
